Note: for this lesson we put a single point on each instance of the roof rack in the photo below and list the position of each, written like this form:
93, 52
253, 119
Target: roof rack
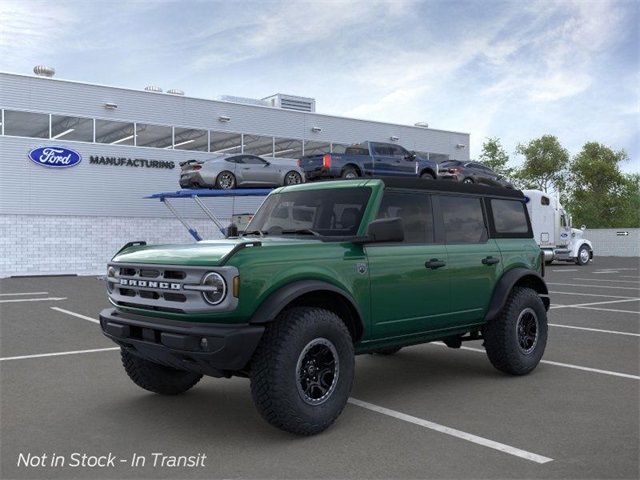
197, 194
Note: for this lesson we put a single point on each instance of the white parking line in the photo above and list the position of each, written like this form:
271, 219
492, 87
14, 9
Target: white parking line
611, 310
563, 270
558, 364
607, 280
589, 294
593, 286
587, 304
50, 299
485, 442
23, 293
74, 352
628, 276
84, 317
605, 272
595, 330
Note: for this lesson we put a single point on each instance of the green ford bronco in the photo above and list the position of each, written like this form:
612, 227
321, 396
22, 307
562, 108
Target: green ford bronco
322, 273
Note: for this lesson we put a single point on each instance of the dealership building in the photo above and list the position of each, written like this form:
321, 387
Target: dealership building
128, 144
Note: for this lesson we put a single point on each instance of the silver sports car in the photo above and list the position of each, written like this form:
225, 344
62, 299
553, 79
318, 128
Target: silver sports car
232, 171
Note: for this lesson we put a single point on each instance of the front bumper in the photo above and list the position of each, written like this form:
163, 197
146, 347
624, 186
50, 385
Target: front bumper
208, 349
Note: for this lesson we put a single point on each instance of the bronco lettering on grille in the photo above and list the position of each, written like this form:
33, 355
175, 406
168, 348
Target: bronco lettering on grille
146, 283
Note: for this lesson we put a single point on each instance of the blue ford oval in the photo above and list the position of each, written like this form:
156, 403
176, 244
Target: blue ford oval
55, 157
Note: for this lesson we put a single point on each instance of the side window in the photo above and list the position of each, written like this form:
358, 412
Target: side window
251, 160
398, 151
544, 200
463, 219
509, 216
234, 160
382, 149
415, 211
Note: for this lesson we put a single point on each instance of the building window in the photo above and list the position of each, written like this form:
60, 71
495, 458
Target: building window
225, 143
316, 148
258, 145
190, 139
114, 133
72, 128
26, 124
157, 136
287, 148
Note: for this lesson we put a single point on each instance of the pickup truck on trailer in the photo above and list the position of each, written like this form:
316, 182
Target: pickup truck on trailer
369, 159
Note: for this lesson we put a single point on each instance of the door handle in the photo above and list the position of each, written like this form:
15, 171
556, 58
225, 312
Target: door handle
490, 261
434, 263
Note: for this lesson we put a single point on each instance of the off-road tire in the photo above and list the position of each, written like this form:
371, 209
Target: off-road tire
157, 378
579, 260
349, 173
501, 335
387, 351
274, 370
220, 177
428, 176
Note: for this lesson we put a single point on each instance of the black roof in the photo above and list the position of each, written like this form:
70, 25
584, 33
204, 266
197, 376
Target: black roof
449, 186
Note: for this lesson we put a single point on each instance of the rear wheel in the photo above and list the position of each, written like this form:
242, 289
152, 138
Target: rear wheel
292, 178
302, 371
516, 339
225, 180
468, 180
584, 255
157, 378
349, 173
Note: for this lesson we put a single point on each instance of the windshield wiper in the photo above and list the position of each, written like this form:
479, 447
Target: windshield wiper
254, 232
302, 231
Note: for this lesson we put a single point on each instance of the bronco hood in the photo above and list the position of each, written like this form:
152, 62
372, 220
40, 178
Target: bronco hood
205, 253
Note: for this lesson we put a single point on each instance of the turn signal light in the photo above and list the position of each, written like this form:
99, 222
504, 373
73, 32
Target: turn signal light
326, 160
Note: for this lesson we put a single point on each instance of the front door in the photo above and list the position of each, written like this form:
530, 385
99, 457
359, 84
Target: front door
474, 260
409, 280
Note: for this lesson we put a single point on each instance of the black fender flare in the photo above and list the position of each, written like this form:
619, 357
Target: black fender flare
506, 283
279, 299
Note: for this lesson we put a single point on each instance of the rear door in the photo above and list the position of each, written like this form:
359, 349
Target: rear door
407, 296
474, 260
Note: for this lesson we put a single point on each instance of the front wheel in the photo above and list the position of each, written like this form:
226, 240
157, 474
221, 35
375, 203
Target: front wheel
157, 378
428, 176
225, 180
584, 255
468, 180
302, 371
516, 338
292, 178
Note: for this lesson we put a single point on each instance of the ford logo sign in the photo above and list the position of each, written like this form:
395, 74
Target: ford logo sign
55, 157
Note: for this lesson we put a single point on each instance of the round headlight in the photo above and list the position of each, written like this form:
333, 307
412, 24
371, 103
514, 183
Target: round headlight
217, 288
111, 273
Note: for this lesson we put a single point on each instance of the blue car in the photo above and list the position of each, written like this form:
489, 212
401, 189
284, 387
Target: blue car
368, 159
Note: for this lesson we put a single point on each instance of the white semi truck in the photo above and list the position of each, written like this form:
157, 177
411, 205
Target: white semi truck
553, 232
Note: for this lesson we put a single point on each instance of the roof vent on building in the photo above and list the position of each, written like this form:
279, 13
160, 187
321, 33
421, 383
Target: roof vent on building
422, 124
244, 100
292, 102
44, 71
175, 91
153, 88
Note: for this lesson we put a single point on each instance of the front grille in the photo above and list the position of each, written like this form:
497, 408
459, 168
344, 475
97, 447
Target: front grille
162, 288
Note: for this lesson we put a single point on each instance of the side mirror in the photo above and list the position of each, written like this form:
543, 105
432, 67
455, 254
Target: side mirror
267, 163
384, 230
583, 227
410, 156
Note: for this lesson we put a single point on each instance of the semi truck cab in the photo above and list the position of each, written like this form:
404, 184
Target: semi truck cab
553, 231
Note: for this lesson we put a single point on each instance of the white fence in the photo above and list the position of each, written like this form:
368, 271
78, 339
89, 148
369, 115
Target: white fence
614, 242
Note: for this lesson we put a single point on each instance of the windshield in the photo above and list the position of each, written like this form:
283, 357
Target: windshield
327, 212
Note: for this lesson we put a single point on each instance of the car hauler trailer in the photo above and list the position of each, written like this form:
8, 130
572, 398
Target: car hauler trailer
553, 232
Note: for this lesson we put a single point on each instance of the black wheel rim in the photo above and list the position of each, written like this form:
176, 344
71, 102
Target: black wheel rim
527, 330
293, 178
317, 371
225, 181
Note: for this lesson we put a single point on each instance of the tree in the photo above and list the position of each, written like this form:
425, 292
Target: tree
495, 157
545, 164
601, 196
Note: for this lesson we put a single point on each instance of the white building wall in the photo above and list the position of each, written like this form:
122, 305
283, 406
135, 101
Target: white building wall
611, 242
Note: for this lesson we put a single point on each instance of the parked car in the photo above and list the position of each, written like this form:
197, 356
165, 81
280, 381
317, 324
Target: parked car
231, 171
471, 172
326, 271
368, 159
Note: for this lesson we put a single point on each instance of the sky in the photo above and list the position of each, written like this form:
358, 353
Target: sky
514, 70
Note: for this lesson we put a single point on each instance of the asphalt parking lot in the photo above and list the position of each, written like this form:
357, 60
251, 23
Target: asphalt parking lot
428, 412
